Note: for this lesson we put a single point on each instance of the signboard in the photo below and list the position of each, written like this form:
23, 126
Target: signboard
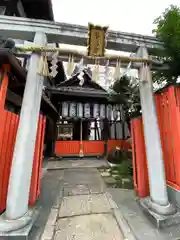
96, 40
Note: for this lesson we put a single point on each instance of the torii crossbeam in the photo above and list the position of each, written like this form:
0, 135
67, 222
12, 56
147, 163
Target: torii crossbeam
25, 29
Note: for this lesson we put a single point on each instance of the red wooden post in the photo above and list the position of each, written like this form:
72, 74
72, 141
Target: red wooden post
3, 90
41, 154
37, 163
139, 159
174, 133
35, 169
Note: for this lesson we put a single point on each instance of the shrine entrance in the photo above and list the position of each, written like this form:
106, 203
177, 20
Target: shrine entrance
99, 129
80, 137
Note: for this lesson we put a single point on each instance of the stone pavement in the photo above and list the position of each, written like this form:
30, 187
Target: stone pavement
83, 210
136, 221
50, 187
84, 163
79, 206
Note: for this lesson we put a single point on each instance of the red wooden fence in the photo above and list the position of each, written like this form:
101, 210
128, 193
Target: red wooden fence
93, 147
168, 114
73, 148
8, 129
89, 147
140, 173
67, 147
37, 163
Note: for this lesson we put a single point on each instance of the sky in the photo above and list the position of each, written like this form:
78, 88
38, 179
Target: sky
126, 16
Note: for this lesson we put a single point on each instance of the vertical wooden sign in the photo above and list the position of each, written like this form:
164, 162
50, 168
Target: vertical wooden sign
96, 40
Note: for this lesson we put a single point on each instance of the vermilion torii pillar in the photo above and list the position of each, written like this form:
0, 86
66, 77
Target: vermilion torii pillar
17, 213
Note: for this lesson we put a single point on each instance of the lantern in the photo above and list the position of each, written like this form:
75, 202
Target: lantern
72, 110
87, 111
115, 112
102, 111
65, 109
80, 110
109, 112
96, 110
122, 116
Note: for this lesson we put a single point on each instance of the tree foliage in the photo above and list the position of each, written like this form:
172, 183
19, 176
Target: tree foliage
127, 94
168, 31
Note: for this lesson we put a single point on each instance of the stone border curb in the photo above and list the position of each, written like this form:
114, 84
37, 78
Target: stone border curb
50, 225
43, 172
126, 230
52, 218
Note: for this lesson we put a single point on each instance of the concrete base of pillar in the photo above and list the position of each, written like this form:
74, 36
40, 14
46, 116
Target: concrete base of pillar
161, 216
19, 228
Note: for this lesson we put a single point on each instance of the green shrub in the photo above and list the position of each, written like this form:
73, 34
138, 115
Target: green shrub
114, 156
125, 168
117, 156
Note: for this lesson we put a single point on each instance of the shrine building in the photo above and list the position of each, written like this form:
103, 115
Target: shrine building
89, 123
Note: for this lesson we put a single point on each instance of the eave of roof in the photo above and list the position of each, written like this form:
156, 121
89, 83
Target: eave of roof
32, 12
83, 92
7, 57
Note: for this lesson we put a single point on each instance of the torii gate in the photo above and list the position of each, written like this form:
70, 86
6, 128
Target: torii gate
17, 214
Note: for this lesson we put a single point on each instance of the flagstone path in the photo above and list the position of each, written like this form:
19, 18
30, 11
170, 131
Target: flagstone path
83, 210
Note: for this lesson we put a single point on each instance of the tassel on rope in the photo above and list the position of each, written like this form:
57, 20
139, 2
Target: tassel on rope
43, 66
117, 70
107, 72
70, 66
